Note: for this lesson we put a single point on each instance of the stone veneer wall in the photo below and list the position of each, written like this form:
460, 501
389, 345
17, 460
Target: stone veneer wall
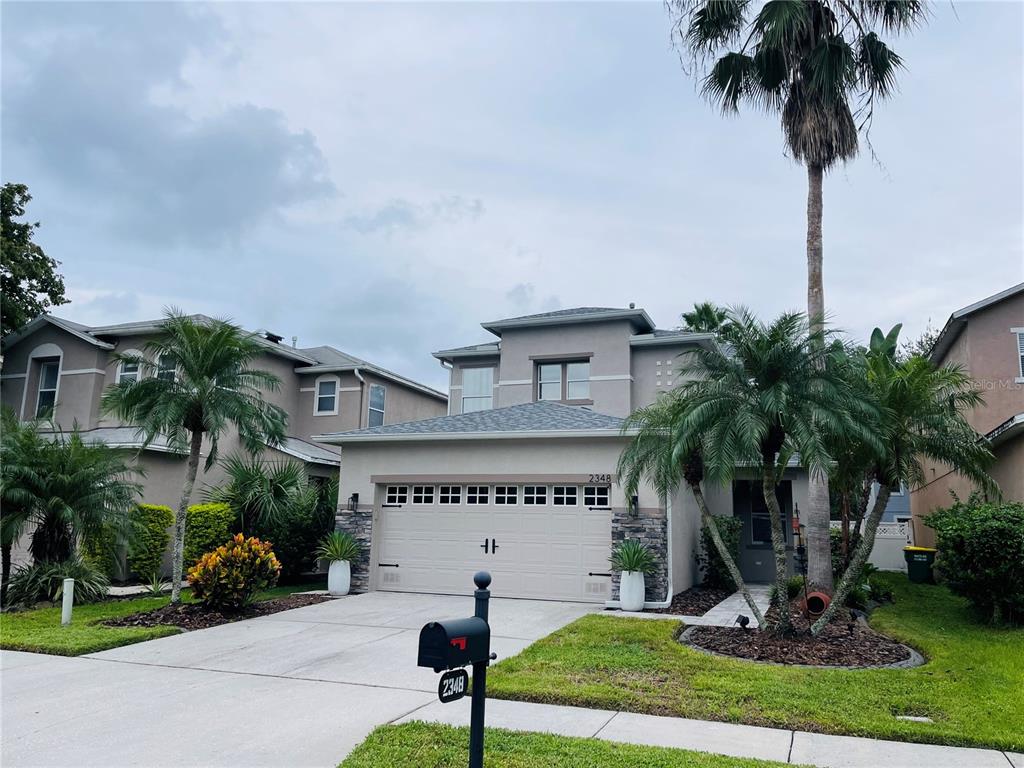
651, 528
360, 525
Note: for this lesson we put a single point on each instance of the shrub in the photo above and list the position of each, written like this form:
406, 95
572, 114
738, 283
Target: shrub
296, 532
228, 578
835, 540
794, 587
31, 584
715, 574
632, 555
981, 555
338, 545
207, 526
878, 590
150, 523
100, 551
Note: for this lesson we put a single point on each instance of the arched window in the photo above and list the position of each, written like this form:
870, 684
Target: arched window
45, 363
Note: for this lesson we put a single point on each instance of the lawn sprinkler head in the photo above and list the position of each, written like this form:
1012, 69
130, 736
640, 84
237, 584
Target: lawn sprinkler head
743, 621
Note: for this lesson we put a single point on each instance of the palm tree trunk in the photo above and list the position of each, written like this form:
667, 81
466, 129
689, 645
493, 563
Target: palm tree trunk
819, 554
178, 556
860, 556
725, 554
6, 573
781, 601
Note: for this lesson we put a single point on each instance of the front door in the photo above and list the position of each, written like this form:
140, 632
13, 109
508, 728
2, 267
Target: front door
757, 560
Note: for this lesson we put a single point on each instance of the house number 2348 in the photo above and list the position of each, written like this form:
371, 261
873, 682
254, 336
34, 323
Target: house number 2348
600, 478
452, 685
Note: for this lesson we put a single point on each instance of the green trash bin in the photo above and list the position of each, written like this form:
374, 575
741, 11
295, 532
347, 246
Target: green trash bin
919, 564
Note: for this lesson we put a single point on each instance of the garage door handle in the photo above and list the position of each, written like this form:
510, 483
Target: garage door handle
599, 574
387, 565
484, 547
494, 546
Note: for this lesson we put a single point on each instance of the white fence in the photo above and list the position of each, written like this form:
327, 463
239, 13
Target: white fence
887, 554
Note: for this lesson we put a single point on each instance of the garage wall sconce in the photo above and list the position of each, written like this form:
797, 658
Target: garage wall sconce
353, 502
634, 506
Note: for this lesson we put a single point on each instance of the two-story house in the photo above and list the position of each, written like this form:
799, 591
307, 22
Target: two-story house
986, 339
58, 369
519, 478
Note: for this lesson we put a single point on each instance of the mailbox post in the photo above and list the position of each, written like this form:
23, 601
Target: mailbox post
449, 646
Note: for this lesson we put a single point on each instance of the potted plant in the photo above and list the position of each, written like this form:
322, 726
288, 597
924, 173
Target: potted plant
340, 549
632, 559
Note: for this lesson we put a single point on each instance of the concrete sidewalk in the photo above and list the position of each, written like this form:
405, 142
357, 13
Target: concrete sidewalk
784, 746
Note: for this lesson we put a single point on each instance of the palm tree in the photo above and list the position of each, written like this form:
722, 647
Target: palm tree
262, 492
820, 65
210, 389
920, 415
774, 391
20, 451
705, 317
660, 454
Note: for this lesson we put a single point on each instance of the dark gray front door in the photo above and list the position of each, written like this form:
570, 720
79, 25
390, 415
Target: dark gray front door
757, 561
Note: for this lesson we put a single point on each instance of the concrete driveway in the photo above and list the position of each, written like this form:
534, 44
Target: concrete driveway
298, 688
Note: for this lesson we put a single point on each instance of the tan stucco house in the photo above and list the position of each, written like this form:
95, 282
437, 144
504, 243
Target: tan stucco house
60, 368
987, 340
519, 477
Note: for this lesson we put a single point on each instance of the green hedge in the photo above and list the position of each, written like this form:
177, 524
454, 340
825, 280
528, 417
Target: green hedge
981, 555
207, 526
99, 551
716, 575
150, 523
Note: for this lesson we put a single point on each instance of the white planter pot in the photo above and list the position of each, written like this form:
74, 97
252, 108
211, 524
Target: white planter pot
339, 577
631, 591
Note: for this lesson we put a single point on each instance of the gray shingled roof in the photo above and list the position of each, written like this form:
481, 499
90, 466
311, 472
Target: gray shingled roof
330, 356
528, 417
563, 313
307, 451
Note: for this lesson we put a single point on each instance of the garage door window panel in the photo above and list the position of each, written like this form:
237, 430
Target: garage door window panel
564, 495
396, 494
423, 494
535, 495
506, 494
477, 494
450, 494
597, 496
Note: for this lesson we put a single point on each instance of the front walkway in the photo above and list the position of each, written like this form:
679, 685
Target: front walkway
722, 615
784, 746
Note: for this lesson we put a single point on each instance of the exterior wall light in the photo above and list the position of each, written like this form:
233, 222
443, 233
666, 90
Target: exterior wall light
353, 502
634, 506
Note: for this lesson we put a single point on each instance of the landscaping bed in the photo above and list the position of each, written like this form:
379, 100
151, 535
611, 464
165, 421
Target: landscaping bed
969, 688
695, 601
443, 746
190, 616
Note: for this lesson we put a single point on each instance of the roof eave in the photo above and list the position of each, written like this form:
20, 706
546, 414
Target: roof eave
341, 439
637, 315
650, 340
31, 326
464, 353
1008, 429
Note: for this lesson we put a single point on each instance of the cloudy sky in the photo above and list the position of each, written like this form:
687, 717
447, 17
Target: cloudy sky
384, 177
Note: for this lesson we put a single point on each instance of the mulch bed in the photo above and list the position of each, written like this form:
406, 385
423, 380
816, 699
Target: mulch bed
695, 601
845, 642
191, 616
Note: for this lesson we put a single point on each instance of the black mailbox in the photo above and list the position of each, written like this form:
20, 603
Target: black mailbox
454, 643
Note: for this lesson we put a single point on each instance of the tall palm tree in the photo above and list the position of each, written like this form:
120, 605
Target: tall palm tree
920, 415
664, 456
210, 389
21, 448
705, 317
821, 66
771, 392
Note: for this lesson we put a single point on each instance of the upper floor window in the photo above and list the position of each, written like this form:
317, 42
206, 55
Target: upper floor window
477, 389
49, 374
128, 371
166, 367
375, 417
566, 382
1020, 351
326, 396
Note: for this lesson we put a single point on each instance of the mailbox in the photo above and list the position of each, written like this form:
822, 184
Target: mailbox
454, 643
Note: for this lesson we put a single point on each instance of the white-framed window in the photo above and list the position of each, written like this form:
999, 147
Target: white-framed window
1019, 332
325, 401
375, 415
46, 395
477, 389
577, 381
535, 495
423, 494
596, 496
166, 367
450, 494
129, 371
564, 495
477, 494
506, 494
396, 494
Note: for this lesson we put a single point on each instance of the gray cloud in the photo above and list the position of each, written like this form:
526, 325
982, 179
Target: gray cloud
402, 215
78, 98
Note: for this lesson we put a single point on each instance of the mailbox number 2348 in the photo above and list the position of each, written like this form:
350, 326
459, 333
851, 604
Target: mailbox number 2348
453, 685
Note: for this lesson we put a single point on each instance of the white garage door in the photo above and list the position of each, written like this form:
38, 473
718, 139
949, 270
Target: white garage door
547, 542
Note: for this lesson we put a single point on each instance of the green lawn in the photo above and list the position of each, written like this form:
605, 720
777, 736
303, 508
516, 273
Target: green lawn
441, 746
39, 630
971, 686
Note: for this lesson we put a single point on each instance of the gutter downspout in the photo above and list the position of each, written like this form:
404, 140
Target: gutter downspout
362, 391
448, 367
615, 604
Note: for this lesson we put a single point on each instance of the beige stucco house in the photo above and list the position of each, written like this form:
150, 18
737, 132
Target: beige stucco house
987, 340
519, 477
60, 368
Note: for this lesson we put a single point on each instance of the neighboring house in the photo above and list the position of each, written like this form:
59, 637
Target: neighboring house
60, 368
519, 479
897, 510
987, 340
